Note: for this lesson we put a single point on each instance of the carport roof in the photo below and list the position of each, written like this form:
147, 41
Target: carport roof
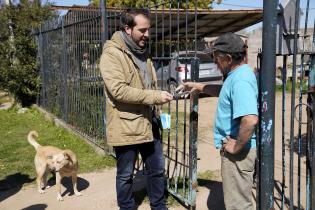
210, 23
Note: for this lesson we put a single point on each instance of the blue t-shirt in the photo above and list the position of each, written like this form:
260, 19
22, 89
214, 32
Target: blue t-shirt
238, 97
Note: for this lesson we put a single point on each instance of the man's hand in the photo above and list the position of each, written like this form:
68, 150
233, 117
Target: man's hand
166, 97
247, 128
231, 146
187, 86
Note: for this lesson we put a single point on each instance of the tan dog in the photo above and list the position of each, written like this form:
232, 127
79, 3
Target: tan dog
49, 158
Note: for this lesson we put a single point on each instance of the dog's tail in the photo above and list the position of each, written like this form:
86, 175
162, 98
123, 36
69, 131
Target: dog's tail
31, 139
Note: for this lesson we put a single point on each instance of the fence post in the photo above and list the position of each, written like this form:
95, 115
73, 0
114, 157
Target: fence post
42, 97
104, 22
267, 106
104, 37
193, 134
64, 72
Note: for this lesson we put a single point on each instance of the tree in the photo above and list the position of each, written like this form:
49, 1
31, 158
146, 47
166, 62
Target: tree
201, 4
19, 72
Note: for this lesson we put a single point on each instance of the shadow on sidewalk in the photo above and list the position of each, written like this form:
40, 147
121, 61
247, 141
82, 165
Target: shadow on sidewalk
67, 183
215, 200
36, 207
12, 184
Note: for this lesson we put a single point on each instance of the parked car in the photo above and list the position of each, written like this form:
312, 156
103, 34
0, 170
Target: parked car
178, 69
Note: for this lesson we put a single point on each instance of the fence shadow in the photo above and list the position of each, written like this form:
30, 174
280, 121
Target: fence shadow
303, 144
13, 184
139, 188
277, 197
215, 200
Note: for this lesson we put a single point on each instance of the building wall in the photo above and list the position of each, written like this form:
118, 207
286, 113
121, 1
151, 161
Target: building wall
254, 41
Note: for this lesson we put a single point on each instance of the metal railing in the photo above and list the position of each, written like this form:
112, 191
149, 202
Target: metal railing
69, 50
291, 174
72, 88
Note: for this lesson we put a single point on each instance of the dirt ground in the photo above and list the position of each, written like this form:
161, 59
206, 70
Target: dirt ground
98, 189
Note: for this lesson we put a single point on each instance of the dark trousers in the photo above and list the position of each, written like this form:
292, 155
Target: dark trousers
152, 156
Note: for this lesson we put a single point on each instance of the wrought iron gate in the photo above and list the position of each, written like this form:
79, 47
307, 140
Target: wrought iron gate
286, 155
72, 89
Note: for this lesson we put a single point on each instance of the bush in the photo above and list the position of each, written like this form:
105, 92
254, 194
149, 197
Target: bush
19, 71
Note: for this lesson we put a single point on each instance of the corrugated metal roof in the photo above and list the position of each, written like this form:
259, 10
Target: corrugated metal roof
210, 23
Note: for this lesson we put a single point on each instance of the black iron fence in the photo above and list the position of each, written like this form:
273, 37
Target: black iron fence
73, 90
285, 149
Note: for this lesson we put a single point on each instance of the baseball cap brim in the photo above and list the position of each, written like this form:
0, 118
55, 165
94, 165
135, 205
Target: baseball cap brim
210, 50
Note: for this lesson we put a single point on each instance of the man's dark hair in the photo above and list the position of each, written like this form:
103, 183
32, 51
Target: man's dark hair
128, 17
237, 57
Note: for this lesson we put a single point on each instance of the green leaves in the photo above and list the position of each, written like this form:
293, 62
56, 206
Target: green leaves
18, 67
201, 4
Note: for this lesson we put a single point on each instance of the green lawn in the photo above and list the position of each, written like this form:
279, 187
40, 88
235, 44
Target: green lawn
17, 155
288, 87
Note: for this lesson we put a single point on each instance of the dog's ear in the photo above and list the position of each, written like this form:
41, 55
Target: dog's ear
66, 155
49, 157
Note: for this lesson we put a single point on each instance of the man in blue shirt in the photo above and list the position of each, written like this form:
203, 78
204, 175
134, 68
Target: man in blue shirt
236, 119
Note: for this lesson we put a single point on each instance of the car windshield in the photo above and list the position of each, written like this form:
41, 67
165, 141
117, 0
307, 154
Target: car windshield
204, 58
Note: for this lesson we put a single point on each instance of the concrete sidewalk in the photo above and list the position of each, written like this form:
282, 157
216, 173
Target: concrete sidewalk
98, 191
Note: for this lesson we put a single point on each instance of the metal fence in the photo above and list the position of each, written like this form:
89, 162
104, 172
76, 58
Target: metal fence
73, 90
286, 141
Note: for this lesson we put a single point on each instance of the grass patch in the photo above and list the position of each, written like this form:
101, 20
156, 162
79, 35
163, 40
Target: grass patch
208, 175
179, 127
203, 179
288, 87
17, 155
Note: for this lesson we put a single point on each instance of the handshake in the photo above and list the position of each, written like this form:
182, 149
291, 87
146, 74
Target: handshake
182, 91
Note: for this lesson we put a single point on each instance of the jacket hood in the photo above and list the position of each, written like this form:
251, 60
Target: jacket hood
117, 42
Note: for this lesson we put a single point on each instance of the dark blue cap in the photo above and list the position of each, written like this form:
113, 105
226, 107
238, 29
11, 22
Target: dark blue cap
229, 43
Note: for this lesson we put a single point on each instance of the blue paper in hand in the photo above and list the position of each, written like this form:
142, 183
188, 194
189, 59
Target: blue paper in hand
166, 121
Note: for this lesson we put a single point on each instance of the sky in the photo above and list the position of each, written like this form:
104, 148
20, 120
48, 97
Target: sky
227, 4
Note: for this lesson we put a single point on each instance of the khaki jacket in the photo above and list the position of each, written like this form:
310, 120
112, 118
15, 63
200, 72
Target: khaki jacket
128, 103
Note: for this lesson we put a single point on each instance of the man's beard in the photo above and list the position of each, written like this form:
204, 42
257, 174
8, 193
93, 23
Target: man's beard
145, 44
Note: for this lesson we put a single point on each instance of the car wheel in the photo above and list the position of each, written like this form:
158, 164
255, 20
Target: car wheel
173, 86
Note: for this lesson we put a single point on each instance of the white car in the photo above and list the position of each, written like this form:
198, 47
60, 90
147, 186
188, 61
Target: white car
178, 69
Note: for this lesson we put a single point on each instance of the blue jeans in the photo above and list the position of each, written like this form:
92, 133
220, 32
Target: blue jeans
152, 156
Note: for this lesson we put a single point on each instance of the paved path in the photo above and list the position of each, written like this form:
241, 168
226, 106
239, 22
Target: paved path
99, 188
98, 191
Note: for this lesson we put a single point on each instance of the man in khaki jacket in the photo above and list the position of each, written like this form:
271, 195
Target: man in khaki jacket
132, 122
